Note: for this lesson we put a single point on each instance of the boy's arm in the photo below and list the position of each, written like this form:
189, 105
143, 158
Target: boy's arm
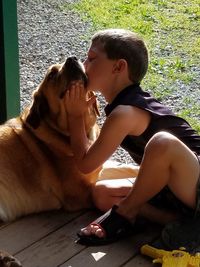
78, 138
89, 158
76, 104
121, 122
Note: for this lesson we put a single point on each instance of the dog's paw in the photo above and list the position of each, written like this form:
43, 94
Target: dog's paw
7, 260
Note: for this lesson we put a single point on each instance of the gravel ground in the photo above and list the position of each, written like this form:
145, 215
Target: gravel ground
48, 35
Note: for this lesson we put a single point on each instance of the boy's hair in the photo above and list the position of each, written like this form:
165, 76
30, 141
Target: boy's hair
124, 44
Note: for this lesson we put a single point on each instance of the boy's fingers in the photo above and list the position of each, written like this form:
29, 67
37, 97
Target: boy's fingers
80, 91
66, 100
91, 100
75, 93
72, 91
67, 96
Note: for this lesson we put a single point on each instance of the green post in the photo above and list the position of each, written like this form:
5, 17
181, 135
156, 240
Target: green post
9, 61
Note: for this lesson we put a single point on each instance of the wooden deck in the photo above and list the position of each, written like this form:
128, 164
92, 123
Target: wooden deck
48, 240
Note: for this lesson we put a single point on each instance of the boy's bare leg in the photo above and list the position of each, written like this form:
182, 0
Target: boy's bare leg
167, 161
111, 192
157, 215
107, 193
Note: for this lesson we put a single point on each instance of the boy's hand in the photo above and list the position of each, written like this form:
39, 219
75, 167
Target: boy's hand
76, 102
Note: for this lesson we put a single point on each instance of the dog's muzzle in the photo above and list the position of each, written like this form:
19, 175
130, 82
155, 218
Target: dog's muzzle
75, 70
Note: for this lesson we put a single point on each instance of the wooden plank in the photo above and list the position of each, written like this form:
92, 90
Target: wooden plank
115, 254
9, 62
56, 247
22, 233
2, 224
140, 261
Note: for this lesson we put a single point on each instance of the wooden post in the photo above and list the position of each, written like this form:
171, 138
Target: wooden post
9, 61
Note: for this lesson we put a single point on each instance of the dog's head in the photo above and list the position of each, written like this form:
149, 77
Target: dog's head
48, 99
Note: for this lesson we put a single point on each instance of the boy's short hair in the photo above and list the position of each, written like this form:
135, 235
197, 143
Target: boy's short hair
124, 44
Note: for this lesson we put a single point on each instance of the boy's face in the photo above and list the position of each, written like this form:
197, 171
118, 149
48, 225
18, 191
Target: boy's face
99, 69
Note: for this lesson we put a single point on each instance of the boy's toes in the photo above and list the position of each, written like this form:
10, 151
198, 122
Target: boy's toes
85, 231
106, 229
99, 233
92, 230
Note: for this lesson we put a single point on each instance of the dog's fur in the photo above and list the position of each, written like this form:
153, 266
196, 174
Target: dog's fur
7, 260
37, 168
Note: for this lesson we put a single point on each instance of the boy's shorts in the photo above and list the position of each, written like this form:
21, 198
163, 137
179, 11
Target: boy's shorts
166, 199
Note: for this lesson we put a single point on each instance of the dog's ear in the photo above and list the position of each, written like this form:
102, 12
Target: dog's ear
95, 104
38, 111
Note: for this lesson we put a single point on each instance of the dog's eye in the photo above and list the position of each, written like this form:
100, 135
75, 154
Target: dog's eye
52, 73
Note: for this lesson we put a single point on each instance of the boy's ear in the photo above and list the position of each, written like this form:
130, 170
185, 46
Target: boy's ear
119, 66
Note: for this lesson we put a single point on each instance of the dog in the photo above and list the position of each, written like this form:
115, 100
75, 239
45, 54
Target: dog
7, 260
37, 167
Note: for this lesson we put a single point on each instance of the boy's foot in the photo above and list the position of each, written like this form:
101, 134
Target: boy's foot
108, 228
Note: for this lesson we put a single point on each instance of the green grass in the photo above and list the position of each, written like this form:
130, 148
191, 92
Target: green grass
171, 30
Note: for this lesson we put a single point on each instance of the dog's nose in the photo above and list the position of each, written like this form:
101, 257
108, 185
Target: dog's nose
71, 59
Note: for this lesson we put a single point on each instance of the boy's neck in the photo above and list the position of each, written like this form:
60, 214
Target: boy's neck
111, 93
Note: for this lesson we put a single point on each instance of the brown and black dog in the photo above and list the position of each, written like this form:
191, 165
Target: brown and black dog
37, 168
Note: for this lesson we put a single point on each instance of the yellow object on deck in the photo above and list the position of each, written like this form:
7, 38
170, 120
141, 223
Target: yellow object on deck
174, 258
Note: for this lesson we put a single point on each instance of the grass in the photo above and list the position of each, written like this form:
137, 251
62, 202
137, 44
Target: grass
171, 31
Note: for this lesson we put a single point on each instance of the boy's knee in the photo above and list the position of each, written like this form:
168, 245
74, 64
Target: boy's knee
161, 143
100, 195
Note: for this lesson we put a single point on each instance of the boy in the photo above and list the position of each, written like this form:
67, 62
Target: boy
164, 145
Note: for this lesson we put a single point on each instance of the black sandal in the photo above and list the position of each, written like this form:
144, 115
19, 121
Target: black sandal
113, 224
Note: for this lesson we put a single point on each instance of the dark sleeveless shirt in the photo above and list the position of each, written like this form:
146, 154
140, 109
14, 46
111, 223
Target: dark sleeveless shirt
162, 119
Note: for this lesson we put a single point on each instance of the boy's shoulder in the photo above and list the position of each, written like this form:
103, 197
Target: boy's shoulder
122, 110
130, 113
132, 118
